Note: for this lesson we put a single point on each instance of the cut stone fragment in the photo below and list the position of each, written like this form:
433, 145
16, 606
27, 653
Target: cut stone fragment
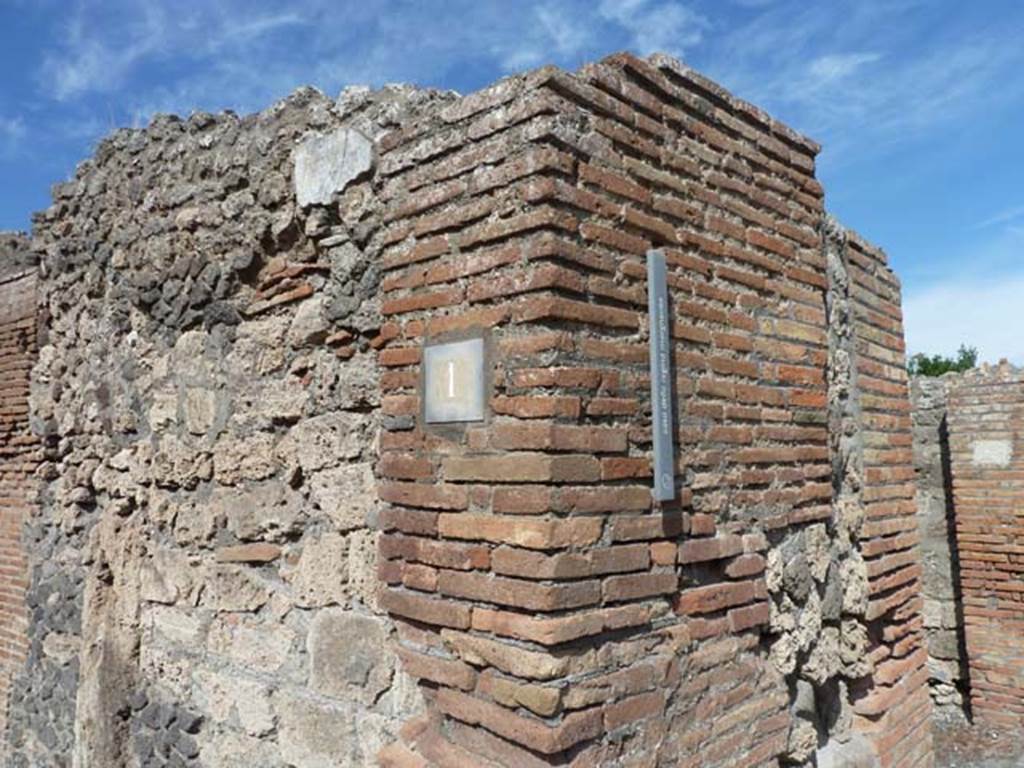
327, 164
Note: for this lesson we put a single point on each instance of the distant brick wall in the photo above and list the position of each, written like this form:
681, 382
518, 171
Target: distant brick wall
18, 461
986, 423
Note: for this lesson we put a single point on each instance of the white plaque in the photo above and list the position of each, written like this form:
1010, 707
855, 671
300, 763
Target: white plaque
454, 389
992, 453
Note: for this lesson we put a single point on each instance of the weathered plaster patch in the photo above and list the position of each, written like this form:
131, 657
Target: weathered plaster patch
992, 453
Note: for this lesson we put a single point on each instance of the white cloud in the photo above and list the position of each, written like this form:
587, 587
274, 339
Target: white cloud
657, 26
103, 45
857, 78
12, 131
244, 54
829, 69
1004, 216
12, 128
563, 29
84, 61
988, 315
256, 27
555, 34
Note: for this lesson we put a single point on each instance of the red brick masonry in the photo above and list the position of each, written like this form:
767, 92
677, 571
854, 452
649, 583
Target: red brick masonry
18, 460
892, 706
986, 424
553, 615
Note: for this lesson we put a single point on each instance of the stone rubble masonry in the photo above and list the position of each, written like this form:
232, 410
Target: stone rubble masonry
201, 566
18, 452
250, 549
943, 616
986, 443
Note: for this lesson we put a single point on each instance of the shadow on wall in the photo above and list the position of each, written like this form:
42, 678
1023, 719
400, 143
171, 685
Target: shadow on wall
964, 685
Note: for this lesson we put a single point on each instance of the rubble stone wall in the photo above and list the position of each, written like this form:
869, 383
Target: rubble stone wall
18, 453
202, 564
228, 399
986, 426
943, 610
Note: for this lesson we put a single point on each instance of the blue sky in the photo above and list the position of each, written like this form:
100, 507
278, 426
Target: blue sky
919, 104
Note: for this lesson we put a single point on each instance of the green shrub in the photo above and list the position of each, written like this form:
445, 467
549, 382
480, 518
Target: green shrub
936, 365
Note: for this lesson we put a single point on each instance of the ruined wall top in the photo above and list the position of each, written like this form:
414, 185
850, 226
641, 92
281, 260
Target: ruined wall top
1003, 371
15, 254
211, 198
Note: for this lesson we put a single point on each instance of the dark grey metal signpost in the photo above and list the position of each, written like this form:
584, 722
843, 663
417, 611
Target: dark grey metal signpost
661, 378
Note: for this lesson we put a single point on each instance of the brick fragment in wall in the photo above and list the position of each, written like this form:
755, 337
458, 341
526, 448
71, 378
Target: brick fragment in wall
985, 412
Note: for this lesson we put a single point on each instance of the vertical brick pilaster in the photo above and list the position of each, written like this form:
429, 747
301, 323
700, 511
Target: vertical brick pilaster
18, 461
891, 705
